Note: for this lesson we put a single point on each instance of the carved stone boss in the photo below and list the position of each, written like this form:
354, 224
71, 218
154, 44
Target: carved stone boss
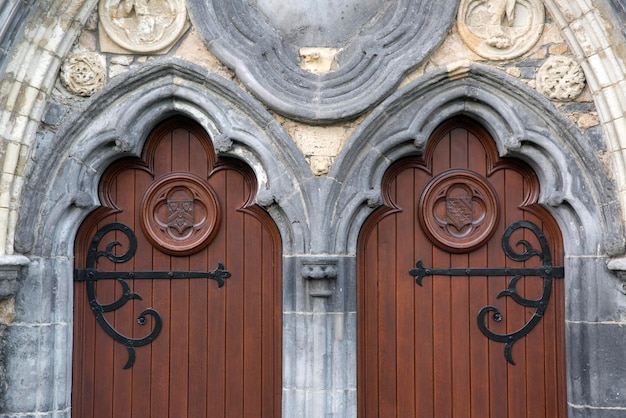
560, 78
83, 73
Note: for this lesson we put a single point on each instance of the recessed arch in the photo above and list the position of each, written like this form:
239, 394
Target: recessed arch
523, 124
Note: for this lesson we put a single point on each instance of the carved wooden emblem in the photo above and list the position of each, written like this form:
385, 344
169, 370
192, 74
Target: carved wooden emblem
458, 210
180, 213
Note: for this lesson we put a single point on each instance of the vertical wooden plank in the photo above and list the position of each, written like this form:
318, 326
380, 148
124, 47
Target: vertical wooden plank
123, 317
497, 365
160, 367
424, 332
515, 314
253, 324
368, 377
442, 355
141, 371
216, 301
535, 344
405, 309
387, 332
459, 299
234, 302
198, 305
478, 343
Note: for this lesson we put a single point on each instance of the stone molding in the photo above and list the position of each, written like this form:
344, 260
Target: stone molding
369, 66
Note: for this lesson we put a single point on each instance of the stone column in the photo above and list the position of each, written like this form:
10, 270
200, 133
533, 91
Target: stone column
319, 336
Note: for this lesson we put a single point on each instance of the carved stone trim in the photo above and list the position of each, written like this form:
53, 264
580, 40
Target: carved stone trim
83, 73
560, 78
180, 214
320, 273
458, 210
141, 26
500, 29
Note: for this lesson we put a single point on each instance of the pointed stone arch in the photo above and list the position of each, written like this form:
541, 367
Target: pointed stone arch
62, 189
524, 125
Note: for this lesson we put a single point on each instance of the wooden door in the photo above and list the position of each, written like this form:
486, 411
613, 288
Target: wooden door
169, 338
421, 349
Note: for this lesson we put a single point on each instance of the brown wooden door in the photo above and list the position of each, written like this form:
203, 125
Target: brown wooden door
218, 351
421, 352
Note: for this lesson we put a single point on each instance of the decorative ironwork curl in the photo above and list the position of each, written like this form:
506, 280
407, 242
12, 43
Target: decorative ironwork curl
90, 275
547, 271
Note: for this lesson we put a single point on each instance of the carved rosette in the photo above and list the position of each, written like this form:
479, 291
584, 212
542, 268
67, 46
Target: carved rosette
500, 29
458, 210
83, 73
560, 78
180, 214
142, 26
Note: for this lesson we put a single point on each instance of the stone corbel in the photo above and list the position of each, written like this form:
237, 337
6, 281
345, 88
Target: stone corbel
320, 273
10, 266
618, 266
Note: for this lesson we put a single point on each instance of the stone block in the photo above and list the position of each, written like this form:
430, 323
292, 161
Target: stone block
596, 367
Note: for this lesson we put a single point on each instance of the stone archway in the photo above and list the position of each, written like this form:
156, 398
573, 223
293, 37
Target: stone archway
63, 189
524, 125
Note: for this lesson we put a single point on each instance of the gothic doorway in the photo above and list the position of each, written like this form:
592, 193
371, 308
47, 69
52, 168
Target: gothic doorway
460, 288
177, 288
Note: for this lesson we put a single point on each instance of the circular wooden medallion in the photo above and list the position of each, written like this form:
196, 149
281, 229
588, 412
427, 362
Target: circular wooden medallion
180, 214
458, 210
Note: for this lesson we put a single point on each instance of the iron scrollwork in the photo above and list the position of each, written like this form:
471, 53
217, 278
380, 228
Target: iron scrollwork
91, 275
547, 271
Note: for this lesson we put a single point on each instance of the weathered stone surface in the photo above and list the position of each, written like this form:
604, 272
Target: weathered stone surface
500, 29
263, 44
84, 73
139, 26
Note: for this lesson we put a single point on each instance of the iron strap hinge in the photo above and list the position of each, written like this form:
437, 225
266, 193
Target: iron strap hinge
218, 275
420, 271
91, 275
547, 272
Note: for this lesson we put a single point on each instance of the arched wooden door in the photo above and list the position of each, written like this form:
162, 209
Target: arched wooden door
473, 340
189, 325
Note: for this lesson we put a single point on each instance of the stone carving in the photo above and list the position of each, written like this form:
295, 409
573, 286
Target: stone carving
320, 274
500, 29
143, 26
458, 210
560, 78
83, 73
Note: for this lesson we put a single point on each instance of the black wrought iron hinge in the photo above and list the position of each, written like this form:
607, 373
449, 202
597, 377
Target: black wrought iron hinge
91, 275
547, 271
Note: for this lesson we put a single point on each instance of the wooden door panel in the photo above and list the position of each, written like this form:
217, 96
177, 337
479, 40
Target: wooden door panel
420, 349
218, 352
